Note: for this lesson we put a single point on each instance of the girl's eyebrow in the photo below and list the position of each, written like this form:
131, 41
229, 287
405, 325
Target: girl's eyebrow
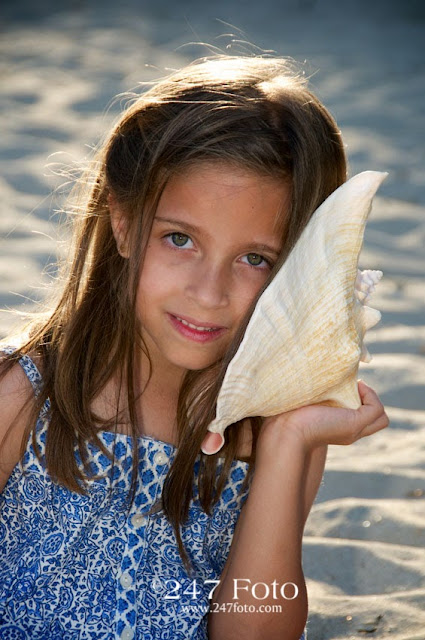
185, 225
253, 246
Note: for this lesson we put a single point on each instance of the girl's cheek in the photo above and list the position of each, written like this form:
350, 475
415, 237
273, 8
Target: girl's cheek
244, 292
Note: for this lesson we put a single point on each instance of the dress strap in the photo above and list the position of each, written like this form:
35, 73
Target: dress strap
31, 371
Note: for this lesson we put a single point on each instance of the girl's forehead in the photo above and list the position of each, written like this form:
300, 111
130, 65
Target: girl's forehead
210, 182
217, 190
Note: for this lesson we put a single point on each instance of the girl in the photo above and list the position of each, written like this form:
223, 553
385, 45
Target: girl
113, 523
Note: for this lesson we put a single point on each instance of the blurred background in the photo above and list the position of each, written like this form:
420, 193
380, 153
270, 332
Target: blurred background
62, 64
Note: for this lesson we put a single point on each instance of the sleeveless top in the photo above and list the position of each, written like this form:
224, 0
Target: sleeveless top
91, 566
95, 567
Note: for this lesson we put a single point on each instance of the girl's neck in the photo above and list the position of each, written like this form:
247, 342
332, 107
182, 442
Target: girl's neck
157, 400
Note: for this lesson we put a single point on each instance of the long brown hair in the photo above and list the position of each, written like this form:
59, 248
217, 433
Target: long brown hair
252, 112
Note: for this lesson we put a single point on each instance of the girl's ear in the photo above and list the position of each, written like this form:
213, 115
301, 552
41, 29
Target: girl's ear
119, 224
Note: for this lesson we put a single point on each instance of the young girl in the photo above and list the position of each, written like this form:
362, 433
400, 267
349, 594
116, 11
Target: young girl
113, 523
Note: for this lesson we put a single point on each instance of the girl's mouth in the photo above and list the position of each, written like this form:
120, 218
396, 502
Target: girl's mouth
198, 333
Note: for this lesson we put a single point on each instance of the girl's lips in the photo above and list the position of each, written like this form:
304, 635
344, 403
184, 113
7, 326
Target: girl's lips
207, 333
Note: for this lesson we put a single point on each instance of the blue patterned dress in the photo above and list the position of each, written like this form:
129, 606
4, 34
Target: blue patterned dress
92, 567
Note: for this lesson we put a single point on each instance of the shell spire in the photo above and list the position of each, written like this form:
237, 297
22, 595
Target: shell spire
304, 340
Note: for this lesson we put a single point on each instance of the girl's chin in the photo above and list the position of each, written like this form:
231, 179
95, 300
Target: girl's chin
194, 366
187, 363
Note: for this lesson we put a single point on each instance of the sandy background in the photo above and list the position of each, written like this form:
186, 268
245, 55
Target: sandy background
63, 62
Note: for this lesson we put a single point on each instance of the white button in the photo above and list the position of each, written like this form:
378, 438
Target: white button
138, 520
156, 584
160, 458
127, 634
126, 580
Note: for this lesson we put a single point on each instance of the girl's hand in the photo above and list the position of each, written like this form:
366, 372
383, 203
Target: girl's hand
317, 425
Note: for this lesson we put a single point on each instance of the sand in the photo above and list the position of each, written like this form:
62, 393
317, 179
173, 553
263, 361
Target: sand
62, 63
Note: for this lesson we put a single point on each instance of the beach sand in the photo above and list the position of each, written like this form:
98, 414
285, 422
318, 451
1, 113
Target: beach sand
61, 65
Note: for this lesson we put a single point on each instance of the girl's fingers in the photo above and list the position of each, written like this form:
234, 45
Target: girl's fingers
367, 395
319, 425
371, 407
376, 426
371, 412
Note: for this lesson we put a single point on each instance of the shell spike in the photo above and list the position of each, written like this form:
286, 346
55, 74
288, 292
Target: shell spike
370, 317
365, 355
365, 283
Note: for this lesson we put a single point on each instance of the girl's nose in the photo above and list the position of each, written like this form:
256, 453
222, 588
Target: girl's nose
208, 286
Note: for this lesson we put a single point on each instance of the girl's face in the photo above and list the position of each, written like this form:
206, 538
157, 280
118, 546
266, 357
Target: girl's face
213, 243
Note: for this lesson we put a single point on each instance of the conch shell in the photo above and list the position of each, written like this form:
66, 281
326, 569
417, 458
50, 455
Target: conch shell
304, 340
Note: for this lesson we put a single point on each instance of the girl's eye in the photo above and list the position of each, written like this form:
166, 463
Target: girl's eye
178, 239
255, 260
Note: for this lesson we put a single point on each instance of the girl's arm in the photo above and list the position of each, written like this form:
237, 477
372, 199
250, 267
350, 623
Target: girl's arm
314, 467
266, 549
15, 390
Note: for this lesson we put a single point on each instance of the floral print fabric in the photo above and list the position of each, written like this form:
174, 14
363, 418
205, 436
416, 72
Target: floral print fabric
92, 566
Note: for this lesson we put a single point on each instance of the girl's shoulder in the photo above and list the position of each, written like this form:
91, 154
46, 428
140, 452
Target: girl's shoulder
16, 404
